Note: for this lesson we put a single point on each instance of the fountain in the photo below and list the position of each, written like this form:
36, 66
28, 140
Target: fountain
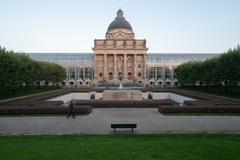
122, 94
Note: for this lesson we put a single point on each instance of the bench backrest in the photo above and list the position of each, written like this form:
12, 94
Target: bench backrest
123, 125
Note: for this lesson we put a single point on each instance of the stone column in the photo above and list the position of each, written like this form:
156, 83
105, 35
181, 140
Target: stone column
144, 66
134, 66
105, 66
94, 66
125, 66
115, 67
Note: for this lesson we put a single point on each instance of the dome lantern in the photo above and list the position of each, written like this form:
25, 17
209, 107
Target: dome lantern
119, 22
119, 14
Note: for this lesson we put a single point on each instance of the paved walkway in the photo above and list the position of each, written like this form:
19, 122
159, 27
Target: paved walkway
148, 121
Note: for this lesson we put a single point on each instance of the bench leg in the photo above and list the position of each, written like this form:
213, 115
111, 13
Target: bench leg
114, 129
132, 129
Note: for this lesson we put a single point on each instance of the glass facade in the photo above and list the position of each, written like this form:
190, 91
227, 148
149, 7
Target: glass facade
65, 59
171, 59
160, 67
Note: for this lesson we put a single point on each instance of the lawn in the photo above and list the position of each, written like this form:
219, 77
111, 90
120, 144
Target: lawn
121, 147
234, 92
5, 94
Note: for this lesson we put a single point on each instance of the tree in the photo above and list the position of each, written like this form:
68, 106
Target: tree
189, 73
224, 68
229, 67
18, 68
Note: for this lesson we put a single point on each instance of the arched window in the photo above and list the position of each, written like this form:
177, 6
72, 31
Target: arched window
110, 76
139, 75
129, 76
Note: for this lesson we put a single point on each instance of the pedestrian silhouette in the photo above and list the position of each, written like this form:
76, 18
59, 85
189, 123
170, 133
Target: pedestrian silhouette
70, 111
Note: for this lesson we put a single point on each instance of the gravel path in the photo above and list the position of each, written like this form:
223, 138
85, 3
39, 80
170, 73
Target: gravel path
148, 121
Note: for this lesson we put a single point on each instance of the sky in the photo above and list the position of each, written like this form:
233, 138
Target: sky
70, 26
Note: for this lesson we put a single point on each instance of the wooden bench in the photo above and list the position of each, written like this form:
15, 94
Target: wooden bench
114, 126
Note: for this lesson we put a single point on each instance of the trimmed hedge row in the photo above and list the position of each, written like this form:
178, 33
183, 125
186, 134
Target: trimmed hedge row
124, 104
197, 109
46, 107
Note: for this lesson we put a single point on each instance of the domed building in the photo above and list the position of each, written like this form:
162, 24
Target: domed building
120, 56
119, 24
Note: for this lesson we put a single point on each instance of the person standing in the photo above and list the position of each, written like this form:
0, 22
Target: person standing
71, 110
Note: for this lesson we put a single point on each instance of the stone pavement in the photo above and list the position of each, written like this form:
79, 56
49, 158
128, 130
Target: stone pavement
148, 121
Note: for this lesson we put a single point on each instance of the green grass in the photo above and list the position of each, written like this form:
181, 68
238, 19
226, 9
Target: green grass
5, 94
121, 147
234, 92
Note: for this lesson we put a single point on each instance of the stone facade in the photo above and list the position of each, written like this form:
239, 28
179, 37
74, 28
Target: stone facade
120, 55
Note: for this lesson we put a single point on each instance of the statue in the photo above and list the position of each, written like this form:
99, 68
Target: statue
120, 78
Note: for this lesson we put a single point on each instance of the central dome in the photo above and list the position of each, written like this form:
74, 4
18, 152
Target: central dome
119, 22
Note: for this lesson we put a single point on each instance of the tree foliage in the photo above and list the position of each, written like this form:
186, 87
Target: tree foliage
18, 68
223, 68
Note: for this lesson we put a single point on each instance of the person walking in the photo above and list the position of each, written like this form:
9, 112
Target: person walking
71, 108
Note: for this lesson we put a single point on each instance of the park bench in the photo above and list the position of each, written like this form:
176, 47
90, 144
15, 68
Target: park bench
114, 126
